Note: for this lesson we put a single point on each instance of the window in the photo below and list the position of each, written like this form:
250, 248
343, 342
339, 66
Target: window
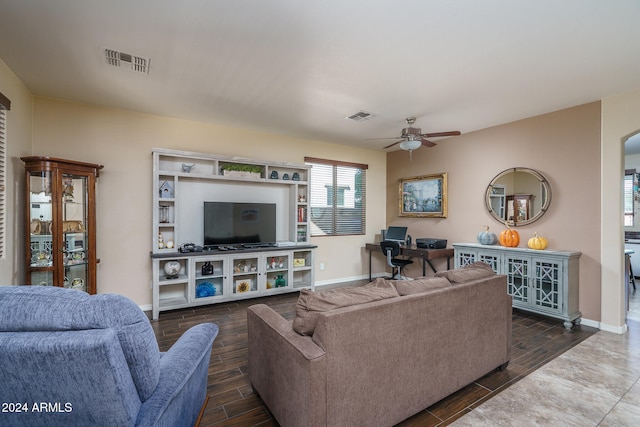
337, 201
628, 197
339, 196
5, 105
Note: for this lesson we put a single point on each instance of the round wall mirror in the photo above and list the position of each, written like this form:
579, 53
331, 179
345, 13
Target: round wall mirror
518, 196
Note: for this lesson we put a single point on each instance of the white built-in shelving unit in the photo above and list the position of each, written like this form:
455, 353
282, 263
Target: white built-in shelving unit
182, 182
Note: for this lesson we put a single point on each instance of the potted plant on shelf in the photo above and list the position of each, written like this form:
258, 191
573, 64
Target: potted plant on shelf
241, 170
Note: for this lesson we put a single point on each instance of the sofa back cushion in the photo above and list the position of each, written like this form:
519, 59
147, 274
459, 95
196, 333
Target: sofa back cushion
475, 271
310, 304
48, 308
85, 371
417, 286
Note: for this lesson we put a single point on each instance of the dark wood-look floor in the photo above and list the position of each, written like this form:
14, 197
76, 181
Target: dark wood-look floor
536, 340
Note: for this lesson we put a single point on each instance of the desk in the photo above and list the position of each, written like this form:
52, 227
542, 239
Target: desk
413, 251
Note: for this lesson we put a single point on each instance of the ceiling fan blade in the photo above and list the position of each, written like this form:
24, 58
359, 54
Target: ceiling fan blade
373, 139
391, 145
437, 134
427, 143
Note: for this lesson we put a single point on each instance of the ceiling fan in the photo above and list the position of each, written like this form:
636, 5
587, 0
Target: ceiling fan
412, 138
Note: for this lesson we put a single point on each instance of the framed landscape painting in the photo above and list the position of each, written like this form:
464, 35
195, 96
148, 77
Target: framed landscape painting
424, 196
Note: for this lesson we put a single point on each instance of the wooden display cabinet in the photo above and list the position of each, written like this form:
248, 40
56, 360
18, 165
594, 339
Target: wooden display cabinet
60, 218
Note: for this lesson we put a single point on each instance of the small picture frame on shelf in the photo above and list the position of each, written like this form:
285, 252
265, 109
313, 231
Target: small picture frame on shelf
243, 285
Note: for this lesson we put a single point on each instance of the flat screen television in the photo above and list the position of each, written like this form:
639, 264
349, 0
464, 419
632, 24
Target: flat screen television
230, 223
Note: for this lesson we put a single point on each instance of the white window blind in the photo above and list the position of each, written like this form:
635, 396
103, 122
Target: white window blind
628, 198
4, 106
337, 198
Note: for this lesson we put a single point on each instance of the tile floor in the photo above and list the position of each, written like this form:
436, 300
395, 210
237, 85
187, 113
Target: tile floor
596, 383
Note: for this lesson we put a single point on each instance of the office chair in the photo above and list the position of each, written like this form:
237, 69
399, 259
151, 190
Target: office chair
392, 250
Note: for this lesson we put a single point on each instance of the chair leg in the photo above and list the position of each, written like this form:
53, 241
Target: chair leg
204, 406
400, 276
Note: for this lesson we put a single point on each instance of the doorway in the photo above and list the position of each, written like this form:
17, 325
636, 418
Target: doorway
631, 210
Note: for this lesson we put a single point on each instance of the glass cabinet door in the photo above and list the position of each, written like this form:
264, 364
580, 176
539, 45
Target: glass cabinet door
40, 228
75, 216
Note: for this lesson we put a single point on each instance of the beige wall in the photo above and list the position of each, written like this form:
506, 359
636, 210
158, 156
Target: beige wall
122, 142
19, 120
564, 146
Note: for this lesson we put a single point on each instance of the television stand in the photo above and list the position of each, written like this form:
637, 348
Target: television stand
235, 272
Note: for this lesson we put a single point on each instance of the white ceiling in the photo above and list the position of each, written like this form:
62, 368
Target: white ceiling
299, 67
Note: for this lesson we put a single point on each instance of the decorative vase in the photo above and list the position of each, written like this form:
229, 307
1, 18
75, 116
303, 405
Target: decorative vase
207, 269
280, 281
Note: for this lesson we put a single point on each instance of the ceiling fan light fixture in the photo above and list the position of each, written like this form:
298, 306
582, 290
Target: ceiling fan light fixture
410, 144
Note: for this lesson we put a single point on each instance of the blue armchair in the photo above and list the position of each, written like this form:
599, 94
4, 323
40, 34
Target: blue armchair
73, 359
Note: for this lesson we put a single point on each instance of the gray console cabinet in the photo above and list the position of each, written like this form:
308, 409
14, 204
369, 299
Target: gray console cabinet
544, 282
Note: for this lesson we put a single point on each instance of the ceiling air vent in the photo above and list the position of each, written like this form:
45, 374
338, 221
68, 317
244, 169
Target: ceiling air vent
127, 61
360, 116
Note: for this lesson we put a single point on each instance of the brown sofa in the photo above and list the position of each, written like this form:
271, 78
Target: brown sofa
380, 362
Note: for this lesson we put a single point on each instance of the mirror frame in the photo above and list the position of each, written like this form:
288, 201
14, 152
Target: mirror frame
545, 186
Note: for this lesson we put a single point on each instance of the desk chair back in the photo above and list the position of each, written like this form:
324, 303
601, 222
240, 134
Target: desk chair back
392, 249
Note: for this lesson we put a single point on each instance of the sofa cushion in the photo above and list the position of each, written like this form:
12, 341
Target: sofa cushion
380, 282
310, 304
477, 270
417, 286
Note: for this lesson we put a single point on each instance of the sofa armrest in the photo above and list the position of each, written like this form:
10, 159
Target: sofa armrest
286, 369
266, 319
182, 387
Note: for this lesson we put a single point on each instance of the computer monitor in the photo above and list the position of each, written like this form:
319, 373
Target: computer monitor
396, 234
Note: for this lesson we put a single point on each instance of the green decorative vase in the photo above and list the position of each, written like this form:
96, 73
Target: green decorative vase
280, 281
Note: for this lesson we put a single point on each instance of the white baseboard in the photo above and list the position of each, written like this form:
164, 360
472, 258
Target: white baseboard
146, 307
615, 329
590, 323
